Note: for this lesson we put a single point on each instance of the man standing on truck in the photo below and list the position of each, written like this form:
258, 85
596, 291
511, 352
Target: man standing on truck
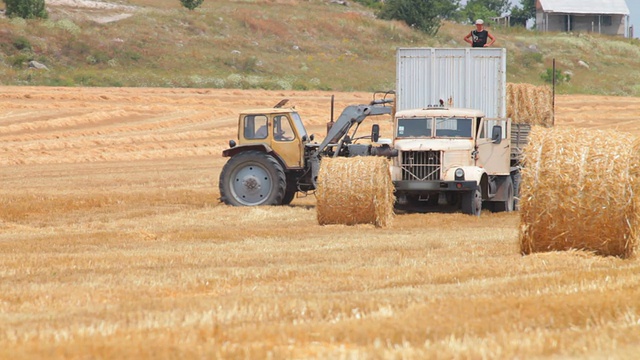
479, 36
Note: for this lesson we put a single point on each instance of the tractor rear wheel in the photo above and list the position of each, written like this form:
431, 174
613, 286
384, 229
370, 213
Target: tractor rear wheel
252, 178
472, 202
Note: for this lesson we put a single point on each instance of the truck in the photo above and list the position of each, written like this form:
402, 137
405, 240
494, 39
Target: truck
456, 157
275, 157
455, 145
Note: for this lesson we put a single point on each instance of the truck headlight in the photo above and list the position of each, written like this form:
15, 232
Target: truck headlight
459, 174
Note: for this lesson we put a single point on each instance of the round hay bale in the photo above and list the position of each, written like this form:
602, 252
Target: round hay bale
580, 190
529, 104
355, 190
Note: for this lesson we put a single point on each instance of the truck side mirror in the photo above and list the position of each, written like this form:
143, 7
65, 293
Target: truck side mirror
496, 134
375, 133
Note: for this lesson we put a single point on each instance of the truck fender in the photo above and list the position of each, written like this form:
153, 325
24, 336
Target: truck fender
258, 147
471, 173
241, 148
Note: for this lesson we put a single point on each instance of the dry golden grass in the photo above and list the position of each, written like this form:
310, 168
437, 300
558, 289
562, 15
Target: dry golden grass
113, 245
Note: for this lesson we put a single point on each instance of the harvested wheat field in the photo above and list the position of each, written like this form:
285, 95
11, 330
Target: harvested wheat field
113, 245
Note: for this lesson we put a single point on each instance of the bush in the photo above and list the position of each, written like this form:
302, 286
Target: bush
531, 58
26, 9
547, 76
191, 4
22, 43
19, 61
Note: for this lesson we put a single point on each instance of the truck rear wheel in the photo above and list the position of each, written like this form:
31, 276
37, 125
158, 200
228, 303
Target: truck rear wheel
516, 178
252, 178
472, 202
508, 204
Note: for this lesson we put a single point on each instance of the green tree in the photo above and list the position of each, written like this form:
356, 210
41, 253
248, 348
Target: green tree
485, 9
191, 4
520, 15
425, 15
27, 9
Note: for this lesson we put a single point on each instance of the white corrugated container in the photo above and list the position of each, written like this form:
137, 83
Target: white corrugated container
474, 78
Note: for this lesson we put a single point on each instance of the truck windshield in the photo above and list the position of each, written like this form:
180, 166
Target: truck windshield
453, 127
297, 122
414, 127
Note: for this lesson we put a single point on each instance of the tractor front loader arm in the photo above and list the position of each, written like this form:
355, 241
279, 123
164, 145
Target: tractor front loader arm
351, 115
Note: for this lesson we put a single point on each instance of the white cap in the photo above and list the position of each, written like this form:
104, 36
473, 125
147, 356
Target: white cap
479, 22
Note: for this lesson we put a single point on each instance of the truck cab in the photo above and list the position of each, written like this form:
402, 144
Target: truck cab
452, 156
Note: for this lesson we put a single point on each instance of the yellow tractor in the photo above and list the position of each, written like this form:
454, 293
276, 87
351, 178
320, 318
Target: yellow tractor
275, 157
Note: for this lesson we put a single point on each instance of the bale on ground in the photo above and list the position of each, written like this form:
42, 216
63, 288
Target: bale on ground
580, 190
530, 104
355, 190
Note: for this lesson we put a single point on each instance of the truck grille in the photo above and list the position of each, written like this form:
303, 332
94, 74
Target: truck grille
421, 165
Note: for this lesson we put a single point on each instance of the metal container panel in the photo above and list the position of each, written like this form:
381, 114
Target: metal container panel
472, 78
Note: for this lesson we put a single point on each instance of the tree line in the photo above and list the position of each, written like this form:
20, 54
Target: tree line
424, 15
427, 15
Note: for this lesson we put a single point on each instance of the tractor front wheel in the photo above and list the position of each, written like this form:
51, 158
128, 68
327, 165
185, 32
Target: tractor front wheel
252, 178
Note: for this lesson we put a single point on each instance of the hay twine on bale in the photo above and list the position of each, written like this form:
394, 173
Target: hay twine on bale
355, 190
580, 190
529, 104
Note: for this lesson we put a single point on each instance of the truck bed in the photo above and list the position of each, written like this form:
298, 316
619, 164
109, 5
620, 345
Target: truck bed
519, 139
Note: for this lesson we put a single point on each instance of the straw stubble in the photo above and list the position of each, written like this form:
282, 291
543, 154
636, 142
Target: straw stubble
580, 191
355, 190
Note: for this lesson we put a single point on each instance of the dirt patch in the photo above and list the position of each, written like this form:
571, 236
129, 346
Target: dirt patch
97, 11
88, 4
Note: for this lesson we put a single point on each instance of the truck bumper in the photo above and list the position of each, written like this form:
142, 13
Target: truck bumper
409, 186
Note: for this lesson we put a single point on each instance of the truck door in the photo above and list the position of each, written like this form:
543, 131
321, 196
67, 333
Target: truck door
493, 142
285, 141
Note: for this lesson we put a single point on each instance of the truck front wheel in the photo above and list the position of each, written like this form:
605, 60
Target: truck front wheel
252, 178
472, 202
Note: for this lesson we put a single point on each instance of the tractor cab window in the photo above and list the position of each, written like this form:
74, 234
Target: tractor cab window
454, 127
414, 127
255, 127
282, 130
297, 123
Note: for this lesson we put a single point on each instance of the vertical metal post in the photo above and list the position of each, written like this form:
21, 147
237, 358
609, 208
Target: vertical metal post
553, 95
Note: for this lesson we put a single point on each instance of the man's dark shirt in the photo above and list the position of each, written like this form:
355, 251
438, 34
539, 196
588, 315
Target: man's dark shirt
479, 38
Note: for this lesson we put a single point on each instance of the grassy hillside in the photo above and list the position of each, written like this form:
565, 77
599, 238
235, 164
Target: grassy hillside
274, 44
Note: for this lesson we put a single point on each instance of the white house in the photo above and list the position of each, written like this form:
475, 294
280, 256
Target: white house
610, 17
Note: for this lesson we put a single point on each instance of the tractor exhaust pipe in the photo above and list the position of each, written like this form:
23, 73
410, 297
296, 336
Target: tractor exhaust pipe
330, 123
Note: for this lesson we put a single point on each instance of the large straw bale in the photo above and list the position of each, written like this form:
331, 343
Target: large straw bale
355, 190
529, 104
580, 190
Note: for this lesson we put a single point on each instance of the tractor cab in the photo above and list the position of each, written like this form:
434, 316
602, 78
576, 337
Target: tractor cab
278, 130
